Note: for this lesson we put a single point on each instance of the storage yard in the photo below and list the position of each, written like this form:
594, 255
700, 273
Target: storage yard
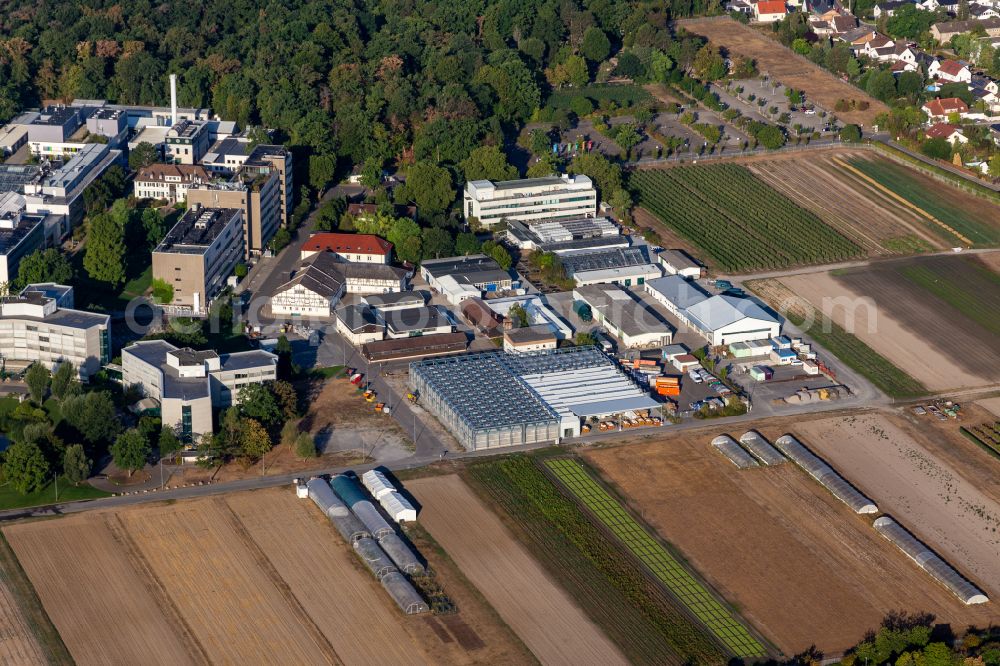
819, 85
935, 318
261, 576
803, 568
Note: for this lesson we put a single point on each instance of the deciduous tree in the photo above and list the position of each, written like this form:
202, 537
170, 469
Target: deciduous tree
37, 377
104, 259
25, 467
49, 265
76, 465
130, 451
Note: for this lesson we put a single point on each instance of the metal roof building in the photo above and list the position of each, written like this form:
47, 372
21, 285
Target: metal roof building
727, 319
635, 325
494, 399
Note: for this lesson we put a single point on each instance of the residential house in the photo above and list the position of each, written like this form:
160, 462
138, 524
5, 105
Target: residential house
938, 110
365, 248
943, 32
858, 37
890, 7
951, 133
769, 11
949, 70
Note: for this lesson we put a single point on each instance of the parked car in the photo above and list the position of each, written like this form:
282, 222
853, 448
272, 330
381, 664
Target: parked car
695, 375
810, 112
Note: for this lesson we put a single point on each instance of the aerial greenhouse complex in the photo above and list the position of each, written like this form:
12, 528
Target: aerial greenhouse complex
741, 222
825, 474
930, 562
664, 566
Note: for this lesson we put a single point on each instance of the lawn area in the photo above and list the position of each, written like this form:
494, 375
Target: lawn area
963, 212
611, 587
623, 96
138, 285
11, 499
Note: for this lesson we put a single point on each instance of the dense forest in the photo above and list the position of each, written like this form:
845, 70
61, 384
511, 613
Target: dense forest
345, 82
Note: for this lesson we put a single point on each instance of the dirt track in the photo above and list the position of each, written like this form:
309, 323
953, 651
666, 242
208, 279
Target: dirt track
782, 65
93, 594
542, 614
796, 562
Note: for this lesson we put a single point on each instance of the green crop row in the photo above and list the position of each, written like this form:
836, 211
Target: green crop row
631, 609
660, 562
740, 221
903, 182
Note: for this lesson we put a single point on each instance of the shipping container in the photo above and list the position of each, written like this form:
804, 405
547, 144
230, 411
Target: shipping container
583, 311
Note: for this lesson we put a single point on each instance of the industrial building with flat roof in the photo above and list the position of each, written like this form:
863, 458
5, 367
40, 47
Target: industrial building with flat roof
459, 278
257, 196
190, 384
198, 255
40, 325
495, 399
635, 325
626, 266
237, 155
530, 199
562, 235
21, 233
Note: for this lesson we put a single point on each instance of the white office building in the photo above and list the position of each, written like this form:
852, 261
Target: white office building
529, 199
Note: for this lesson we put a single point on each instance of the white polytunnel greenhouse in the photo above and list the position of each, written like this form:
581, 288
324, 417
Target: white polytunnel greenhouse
352, 494
398, 507
377, 483
825, 474
755, 443
930, 562
346, 523
374, 557
728, 447
401, 554
403, 593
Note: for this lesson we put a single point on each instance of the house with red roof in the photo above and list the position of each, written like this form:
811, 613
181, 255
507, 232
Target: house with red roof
769, 11
362, 248
938, 110
949, 70
951, 133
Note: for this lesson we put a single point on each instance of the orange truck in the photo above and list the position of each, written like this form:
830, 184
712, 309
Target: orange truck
668, 386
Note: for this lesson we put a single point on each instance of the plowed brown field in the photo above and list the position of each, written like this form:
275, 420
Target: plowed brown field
797, 563
542, 614
94, 595
819, 85
18, 646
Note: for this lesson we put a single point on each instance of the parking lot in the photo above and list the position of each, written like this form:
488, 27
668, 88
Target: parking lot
770, 94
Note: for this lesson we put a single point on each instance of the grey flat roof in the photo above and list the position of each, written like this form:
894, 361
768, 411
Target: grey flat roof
154, 353
619, 308
357, 317
416, 319
530, 334
529, 182
197, 230
678, 259
678, 290
603, 259
395, 298
255, 358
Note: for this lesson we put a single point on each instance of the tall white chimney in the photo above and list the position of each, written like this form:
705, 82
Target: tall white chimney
173, 100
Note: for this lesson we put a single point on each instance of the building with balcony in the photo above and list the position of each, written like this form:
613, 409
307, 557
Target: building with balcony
553, 198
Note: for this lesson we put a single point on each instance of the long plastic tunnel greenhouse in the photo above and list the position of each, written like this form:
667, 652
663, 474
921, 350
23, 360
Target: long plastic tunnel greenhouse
404, 557
728, 447
930, 562
755, 443
374, 557
346, 523
825, 474
352, 494
403, 593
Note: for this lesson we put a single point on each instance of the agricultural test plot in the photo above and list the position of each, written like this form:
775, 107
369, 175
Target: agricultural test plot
866, 215
538, 611
819, 85
88, 583
958, 218
935, 318
944, 499
800, 566
739, 221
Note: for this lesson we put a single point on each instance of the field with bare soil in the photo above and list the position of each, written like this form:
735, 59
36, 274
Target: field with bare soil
18, 646
538, 611
795, 561
944, 499
935, 318
878, 224
95, 596
252, 577
819, 85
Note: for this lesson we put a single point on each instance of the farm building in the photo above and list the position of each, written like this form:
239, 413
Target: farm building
625, 266
493, 399
635, 325
529, 339
727, 319
677, 262
459, 278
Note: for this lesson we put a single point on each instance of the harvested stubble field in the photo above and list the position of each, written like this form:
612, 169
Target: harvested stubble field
936, 318
876, 222
539, 611
27, 636
819, 85
936, 483
796, 562
254, 577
